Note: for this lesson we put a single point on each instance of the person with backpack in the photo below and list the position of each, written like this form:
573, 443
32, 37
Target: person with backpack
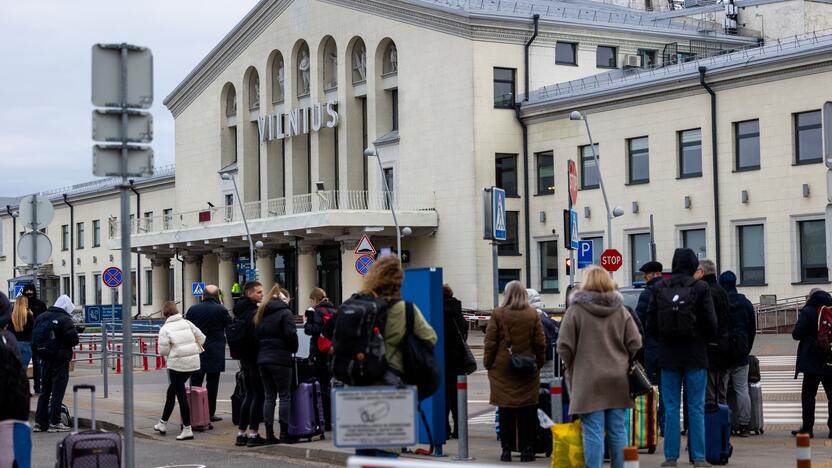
316, 319
743, 332
37, 307
212, 318
814, 355
277, 342
181, 341
53, 338
242, 343
598, 339
515, 351
681, 316
718, 360
456, 336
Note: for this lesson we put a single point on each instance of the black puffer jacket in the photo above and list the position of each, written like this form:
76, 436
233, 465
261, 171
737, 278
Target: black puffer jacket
456, 334
718, 345
211, 318
314, 327
809, 358
691, 352
245, 309
65, 331
277, 336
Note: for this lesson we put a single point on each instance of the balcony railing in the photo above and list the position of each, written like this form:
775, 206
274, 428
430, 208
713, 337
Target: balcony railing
323, 201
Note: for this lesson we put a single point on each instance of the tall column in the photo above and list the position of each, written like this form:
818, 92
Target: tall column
210, 269
227, 276
265, 268
351, 280
191, 273
307, 275
161, 272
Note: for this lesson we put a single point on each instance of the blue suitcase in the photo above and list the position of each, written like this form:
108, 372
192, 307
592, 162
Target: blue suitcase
718, 447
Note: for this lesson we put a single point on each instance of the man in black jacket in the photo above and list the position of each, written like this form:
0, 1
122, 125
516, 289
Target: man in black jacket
743, 332
55, 370
251, 409
717, 347
211, 317
37, 307
653, 275
811, 362
681, 316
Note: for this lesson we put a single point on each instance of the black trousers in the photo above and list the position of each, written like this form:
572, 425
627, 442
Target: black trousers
37, 372
277, 384
54, 378
807, 398
517, 428
251, 410
213, 388
451, 404
176, 389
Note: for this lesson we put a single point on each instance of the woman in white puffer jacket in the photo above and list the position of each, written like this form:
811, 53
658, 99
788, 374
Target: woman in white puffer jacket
181, 342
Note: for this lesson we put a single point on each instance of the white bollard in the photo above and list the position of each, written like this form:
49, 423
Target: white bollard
804, 451
631, 457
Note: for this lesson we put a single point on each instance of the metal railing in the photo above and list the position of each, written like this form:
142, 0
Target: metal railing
323, 201
779, 317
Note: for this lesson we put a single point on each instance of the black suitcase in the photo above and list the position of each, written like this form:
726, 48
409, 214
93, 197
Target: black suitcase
89, 448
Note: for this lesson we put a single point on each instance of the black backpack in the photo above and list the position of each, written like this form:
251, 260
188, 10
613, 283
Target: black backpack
420, 368
357, 354
675, 305
44, 339
235, 335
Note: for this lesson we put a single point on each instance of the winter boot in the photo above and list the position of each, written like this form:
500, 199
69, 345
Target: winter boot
186, 434
285, 438
161, 427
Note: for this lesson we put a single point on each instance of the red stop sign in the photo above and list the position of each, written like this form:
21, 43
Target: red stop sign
611, 260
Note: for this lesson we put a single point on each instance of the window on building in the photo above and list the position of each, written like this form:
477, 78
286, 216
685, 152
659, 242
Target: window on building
79, 236
229, 207
648, 58
506, 179
752, 254
111, 227
96, 280
640, 253
813, 251
167, 218
505, 276
597, 248
504, 88
606, 57
747, 144
81, 297
695, 240
65, 237
133, 286
638, 155
690, 153
808, 137
65, 286
545, 173
148, 221
566, 53
390, 180
589, 170
549, 266
394, 98
148, 286
96, 233
510, 246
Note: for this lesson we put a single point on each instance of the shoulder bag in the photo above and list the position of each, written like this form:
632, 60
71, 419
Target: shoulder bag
639, 382
520, 364
469, 362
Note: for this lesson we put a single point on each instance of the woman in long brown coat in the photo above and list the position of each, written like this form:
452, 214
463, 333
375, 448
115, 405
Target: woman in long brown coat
515, 325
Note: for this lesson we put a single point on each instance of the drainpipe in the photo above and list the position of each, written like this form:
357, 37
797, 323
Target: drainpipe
138, 255
715, 161
71, 292
526, 202
14, 240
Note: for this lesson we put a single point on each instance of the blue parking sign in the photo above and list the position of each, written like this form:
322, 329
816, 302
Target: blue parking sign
584, 253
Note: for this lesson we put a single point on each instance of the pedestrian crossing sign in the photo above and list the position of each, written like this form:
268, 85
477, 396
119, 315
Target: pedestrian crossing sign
18, 290
499, 213
198, 289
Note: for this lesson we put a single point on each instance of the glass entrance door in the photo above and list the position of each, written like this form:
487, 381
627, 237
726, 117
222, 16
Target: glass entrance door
328, 260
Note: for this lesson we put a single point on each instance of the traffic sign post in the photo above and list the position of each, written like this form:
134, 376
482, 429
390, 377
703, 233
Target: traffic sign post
34, 248
112, 277
494, 220
611, 260
122, 79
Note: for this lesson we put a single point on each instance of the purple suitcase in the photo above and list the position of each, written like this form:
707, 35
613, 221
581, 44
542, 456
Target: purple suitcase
306, 420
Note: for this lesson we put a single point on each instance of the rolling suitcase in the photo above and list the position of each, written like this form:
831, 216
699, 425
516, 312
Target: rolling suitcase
198, 404
89, 448
306, 420
643, 427
718, 447
755, 391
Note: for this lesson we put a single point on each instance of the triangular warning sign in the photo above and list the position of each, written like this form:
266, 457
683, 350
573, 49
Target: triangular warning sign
365, 246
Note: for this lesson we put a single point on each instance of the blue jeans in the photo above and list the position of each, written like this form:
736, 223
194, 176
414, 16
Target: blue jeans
26, 351
592, 426
695, 382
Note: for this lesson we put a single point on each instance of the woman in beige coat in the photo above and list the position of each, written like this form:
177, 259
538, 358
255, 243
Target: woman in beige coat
597, 339
515, 324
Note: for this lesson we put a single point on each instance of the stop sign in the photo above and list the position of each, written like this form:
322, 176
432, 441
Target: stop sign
611, 260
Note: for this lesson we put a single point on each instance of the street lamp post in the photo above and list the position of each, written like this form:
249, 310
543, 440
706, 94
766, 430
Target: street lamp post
373, 153
230, 176
611, 213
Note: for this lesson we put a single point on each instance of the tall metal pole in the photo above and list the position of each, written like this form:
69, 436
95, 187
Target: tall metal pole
36, 229
126, 299
495, 269
252, 263
389, 198
600, 182
571, 252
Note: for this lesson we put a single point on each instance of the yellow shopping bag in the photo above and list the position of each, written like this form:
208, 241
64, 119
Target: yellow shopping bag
568, 450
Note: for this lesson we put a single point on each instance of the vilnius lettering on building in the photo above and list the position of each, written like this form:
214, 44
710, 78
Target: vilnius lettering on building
297, 121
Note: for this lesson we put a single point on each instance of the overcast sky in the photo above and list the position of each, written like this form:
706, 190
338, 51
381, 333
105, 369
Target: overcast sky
45, 109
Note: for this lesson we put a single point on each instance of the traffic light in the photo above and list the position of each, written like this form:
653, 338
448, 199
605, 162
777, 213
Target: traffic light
568, 266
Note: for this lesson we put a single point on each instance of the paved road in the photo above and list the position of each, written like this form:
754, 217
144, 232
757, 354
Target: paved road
157, 454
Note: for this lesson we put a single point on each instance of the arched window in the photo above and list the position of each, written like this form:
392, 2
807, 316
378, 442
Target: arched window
359, 62
330, 64
278, 78
231, 102
254, 90
304, 68
391, 60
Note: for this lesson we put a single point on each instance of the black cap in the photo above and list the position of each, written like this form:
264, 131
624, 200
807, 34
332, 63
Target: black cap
651, 267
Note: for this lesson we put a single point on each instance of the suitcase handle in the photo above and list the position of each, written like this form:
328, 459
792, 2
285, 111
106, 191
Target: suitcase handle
75, 389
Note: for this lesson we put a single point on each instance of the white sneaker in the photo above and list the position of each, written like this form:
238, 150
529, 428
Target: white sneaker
60, 427
37, 428
161, 427
186, 434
